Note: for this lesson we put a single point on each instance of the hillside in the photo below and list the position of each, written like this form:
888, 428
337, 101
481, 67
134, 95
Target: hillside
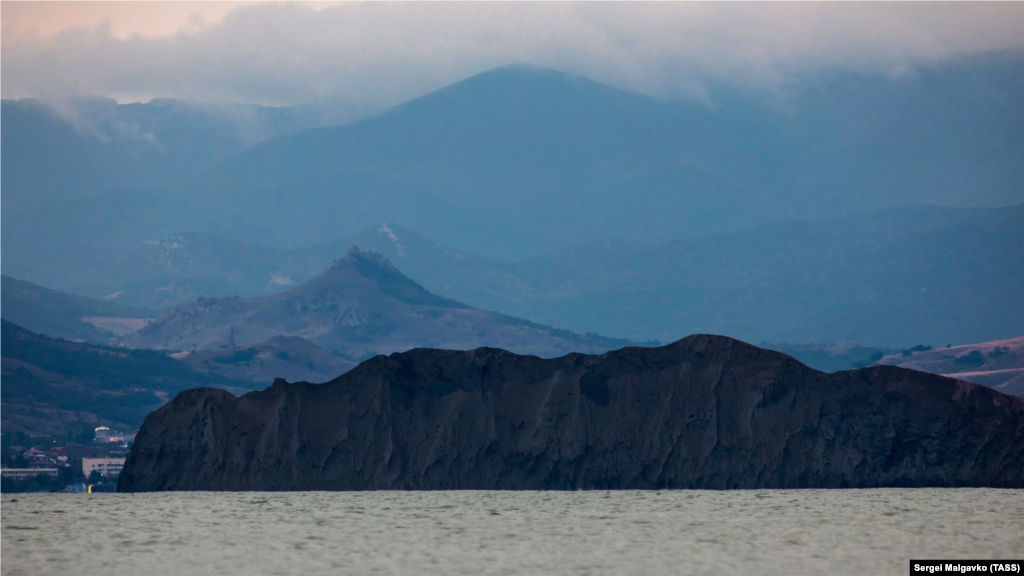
180, 267
829, 358
518, 161
888, 278
67, 316
279, 357
86, 146
998, 364
707, 412
853, 279
885, 278
361, 306
53, 386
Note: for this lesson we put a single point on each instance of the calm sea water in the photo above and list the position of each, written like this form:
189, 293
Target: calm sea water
633, 532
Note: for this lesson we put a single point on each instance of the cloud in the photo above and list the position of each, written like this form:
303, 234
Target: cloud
125, 19
372, 55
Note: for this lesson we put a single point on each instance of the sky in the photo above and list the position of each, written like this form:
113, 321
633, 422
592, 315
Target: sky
379, 54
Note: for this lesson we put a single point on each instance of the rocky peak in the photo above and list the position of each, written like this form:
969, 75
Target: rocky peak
359, 258
376, 267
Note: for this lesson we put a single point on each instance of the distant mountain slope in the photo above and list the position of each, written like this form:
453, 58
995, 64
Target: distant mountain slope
890, 278
94, 145
286, 357
360, 306
518, 161
51, 386
61, 315
829, 358
886, 278
162, 272
998, 364
177, 268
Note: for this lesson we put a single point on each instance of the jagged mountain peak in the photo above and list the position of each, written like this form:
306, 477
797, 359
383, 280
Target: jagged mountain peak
373, 271
356, 257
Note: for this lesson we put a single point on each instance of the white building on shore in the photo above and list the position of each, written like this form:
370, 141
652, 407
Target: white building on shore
109, 467
26, 473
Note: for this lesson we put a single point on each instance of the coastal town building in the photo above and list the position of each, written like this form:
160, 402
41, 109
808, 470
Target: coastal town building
47, 458
105, 435
26, 473
109, 467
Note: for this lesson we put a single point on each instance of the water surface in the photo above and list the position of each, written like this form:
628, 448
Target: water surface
629, 532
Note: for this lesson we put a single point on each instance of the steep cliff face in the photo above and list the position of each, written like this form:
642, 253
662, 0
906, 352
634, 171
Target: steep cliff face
704, 412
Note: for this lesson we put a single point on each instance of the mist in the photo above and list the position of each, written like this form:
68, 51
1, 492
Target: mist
369, 56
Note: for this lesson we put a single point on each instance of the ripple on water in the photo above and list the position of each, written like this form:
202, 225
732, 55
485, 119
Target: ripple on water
631, 532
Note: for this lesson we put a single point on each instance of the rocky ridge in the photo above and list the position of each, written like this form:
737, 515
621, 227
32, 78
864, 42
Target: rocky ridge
706, 412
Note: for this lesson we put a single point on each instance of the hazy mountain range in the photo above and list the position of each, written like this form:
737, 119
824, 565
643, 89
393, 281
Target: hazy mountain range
361, 305
82, 147
894, 277
521, 161
768, 218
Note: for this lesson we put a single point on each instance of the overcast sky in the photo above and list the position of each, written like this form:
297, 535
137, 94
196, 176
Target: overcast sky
377, 54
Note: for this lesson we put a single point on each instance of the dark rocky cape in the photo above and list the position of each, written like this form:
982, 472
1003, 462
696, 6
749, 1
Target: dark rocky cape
704, 412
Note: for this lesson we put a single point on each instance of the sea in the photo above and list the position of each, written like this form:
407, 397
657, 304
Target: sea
770, 532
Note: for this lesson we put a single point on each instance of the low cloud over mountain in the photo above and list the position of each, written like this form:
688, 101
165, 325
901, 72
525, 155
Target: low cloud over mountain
360, 53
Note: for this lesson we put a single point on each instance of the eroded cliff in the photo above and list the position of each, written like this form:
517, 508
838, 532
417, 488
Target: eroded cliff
703, 412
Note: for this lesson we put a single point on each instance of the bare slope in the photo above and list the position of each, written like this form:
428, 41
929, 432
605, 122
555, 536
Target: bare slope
285, 357
361, 306
65, 315
704, 412
998, 364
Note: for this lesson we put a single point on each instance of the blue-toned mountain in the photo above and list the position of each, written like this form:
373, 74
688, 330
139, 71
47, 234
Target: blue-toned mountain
361, 306
519, 161
68, 316
87, 146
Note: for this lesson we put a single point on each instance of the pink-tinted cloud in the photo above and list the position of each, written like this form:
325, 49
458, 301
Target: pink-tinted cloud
376, 54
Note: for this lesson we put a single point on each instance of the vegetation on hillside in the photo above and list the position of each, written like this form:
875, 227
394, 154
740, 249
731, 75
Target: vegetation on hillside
66, 383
